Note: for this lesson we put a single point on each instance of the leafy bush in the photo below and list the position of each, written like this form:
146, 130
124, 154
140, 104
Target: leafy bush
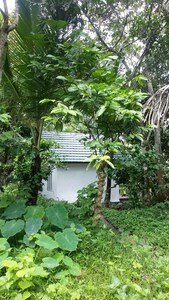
43, 238
137, 171
82, 209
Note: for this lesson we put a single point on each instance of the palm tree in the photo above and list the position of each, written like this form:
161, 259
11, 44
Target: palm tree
157, 106
156, 112
27, 80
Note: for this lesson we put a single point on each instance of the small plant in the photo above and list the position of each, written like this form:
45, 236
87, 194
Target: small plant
83, 208
86, 199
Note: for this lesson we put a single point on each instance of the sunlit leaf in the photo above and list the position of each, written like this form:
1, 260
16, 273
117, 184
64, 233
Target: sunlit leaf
67, 240
25, 284
49, 262
34, 212
100, 111
115, 282
62, 78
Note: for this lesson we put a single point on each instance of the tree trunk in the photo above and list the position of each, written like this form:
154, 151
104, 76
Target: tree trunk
35, 173
100, 189
146, 192
108, 192
163, 194
157, 144
4, 31
3, 40
36, 180
3, 46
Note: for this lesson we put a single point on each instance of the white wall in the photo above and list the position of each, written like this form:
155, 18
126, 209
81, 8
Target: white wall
66, 182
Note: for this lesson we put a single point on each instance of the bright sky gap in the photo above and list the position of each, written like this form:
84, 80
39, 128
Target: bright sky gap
10, 3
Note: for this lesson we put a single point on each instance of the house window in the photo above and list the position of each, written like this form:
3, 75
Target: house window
49, 183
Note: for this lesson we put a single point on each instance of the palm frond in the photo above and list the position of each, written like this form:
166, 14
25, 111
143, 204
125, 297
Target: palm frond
157, 107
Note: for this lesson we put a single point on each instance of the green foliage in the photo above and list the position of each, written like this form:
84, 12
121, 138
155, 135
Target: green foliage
36, 212
136, 257
137, 171
82, 77
74, 268
82, 209
96, 161
67, 240
45, 241
4, 118
14, 211
26, 153
35, 250
57, 215
11, 228
150, 224
50, 262
32, 226
4, 250
20, 275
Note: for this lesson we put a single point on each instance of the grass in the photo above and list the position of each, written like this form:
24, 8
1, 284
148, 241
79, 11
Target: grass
131, 264
150, 224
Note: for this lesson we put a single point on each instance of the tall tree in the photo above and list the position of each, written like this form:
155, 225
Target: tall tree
156, 110
111, 112
27, 78
136, 32
5, 28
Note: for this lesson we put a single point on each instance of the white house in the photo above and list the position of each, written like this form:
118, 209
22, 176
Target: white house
63, 183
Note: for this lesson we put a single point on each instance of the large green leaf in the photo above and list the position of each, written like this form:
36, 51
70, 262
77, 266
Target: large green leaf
56, 23
57, 215
74, 268
2, 222
25, 284
32, 226
58, 256
2, 258
46, 242
67, 240
4, 245
15, 210
68, 261
12, 227
27, 242
49, 262
4, 203
32, 271
34, 212
76, 226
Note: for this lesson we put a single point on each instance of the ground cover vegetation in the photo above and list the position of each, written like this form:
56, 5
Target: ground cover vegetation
96, 67
44, 255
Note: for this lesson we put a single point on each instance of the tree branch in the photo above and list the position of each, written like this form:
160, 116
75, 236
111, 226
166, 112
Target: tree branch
122, 32
11, 27
99, 36
5, 7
